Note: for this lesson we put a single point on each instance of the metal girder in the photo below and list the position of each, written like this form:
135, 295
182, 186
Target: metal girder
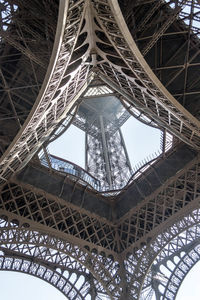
22, 49
163, 28
167, 243
92, 40
133, 238
181, 37
21, 76
36, 252
176, 250
59, 216
176, 267
107, 157
10, 98
39, 125
21, 262
121, 67
150, 13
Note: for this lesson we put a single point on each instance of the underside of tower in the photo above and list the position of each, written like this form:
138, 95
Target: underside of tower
95, 64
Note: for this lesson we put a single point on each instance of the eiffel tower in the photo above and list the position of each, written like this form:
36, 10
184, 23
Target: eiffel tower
107, 231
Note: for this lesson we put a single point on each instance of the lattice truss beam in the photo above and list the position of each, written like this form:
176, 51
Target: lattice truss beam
25, 51
167, 33
177, 255
107, 159
64, 265
92, 38
121, 251
114, 258
168, 273
65, 268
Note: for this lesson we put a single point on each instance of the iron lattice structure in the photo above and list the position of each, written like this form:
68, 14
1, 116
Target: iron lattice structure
101, 117
89, 243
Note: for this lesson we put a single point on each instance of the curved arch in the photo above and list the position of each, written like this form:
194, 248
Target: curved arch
63, 125
182, 235
139, 85
69, 74
187, 259
60, 253
139, 262
139, 115
60, 89
53, 277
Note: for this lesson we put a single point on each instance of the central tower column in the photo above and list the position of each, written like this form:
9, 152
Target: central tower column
106, 157
106, 153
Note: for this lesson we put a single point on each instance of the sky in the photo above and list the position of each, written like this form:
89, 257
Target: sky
141, 141
19, 286
190, 288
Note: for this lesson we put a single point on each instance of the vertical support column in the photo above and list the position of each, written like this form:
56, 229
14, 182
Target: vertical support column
93, 292
125, 150
105, 153
86, 150
119, 160
95, 160
124, 283
106, 156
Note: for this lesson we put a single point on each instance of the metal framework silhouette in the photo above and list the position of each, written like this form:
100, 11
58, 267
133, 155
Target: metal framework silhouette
106, 232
